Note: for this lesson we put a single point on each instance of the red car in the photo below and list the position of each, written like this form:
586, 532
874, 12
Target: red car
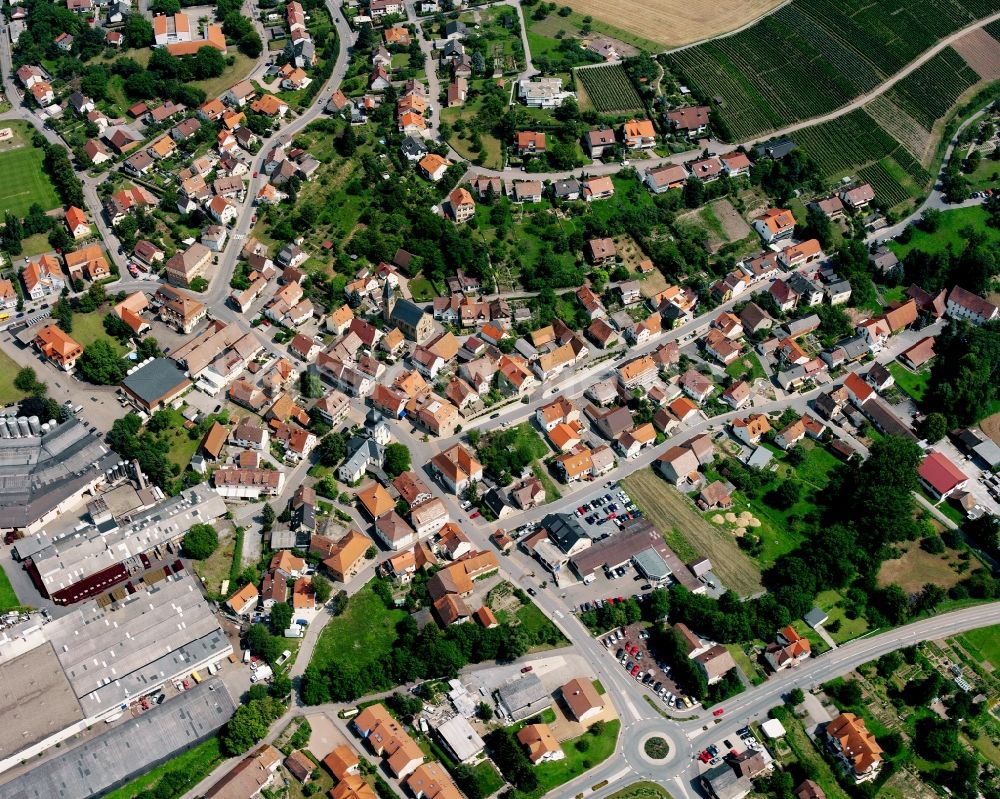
475, 515
705, 756
526, 669
635, 670
718, 712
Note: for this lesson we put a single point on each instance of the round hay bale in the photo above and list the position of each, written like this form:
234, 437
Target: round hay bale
739, 532
730, 517
754, 521
717, 519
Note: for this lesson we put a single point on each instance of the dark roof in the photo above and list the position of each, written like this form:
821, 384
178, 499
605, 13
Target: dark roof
406, 312
130, 748
413, 146
154, 380
564, 531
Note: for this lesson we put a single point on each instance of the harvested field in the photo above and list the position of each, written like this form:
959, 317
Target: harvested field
916, 568
981, 52
673, 23
901, 125
991, 426
733, 225
668, 509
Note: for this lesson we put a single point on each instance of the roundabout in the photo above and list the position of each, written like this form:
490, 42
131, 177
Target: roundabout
656, 748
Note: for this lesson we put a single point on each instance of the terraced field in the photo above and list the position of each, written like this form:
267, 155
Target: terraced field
814, 56
855, 144
609, 88
929, 91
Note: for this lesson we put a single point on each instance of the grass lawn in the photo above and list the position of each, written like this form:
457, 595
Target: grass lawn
24, 181
917, 567
750, 669
986, 176
215, 569
949, 232
88, 328
8, 394
810, 759
641, 790
493, 152
832, 603
8, 599
668, 509
487, 778
538, 626
35, 245
748, 367
362, 635
984, 644
553, 774
893, 294
551, 492
422, 289
230, 75
195, 764
914, 384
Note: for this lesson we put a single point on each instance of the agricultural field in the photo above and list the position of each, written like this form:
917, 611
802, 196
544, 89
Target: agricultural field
609, 89
669, 510
917, 567
929, 91
813, 56
24, 181
672, 23
981, 52
853, 142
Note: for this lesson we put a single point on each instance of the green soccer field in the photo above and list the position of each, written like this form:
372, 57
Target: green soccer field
24, 181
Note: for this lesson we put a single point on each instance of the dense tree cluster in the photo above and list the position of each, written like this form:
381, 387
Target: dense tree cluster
506, 453
964, 376
250, 723
417, 654
151, 452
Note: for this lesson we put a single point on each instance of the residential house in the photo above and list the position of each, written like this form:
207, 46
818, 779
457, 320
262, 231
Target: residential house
638, 134
775, 224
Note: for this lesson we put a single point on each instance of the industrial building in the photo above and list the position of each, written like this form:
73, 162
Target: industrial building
130, 749
59, 678
45, 469
91, 561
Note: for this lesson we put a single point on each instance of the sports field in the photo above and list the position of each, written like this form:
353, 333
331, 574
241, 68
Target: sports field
672, 23
24, 181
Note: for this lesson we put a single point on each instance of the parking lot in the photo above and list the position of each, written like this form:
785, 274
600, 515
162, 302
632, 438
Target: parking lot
629, 646
732, 745
605, 511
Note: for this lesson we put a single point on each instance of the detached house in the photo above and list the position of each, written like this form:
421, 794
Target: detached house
775, 224
639, 134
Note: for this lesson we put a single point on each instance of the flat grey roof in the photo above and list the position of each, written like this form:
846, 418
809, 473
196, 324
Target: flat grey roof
651, 564
154, 380
36, 700
37, 473
115, 654
112, 759
523, 693
73, 558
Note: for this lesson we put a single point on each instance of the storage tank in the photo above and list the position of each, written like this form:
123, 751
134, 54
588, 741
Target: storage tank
23, 426
46, 426
35, 424
4, 432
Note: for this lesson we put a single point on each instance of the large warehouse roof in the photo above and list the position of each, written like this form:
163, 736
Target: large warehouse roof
110, 760
38, 472
114, 654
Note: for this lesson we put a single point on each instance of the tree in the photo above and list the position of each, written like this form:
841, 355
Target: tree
267, 516
397, 459
101, 365
281, 618
200, 284
933, 427
322, 588
117, 328
27, 381
63, 314
310, 385
201, 541
263, 644
484, 711
332, 449
796, 697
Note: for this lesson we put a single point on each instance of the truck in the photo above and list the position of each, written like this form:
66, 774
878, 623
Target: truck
262, 673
